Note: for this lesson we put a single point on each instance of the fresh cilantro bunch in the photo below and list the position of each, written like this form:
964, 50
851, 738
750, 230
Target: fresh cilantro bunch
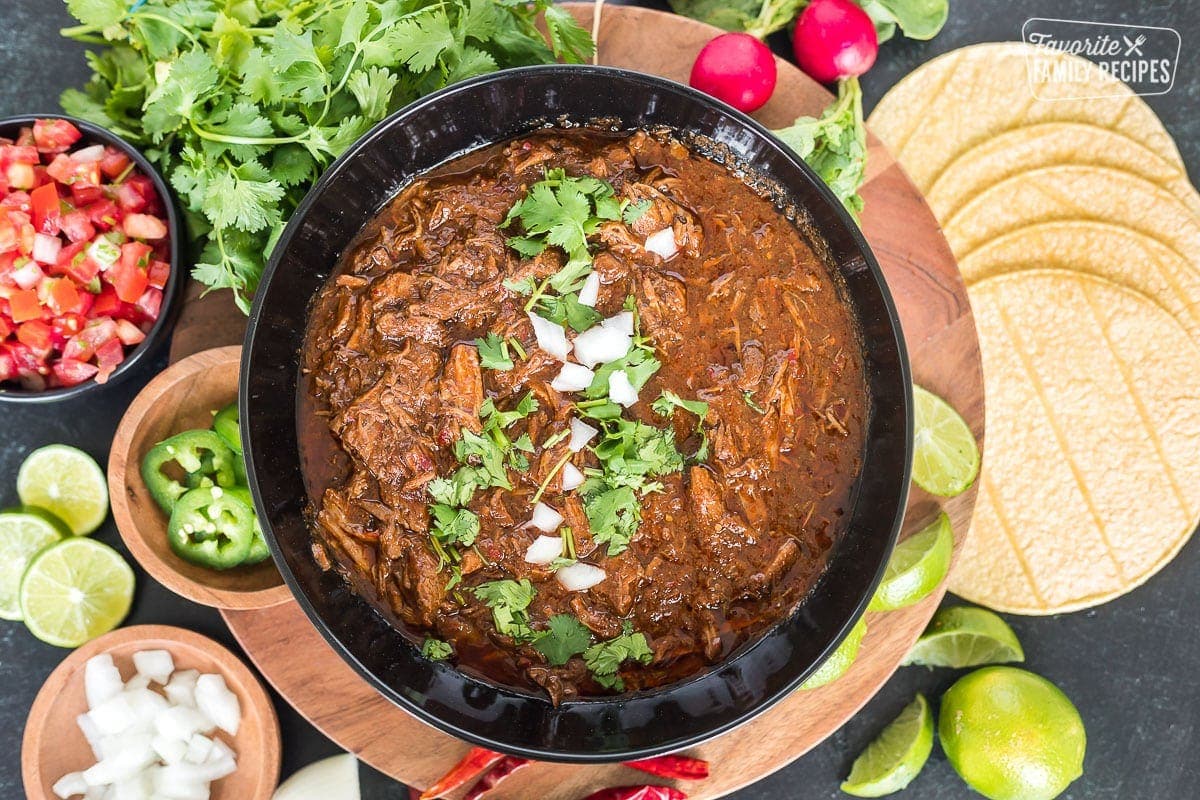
835, 144
242, 103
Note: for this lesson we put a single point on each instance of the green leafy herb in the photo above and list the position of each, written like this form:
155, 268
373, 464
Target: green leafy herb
508, 600
748, 397
917, 19
835, 145
493, 419
604, 659
666, 404
639, 366
613, 514
634, 211
493, 353
567, 310
436, 649
565, 637
454, 526
242, 103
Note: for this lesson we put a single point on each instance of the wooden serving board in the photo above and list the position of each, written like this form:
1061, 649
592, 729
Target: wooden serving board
942, 344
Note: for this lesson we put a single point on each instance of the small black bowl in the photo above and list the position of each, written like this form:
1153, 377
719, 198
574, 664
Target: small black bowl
94, 134
425, 134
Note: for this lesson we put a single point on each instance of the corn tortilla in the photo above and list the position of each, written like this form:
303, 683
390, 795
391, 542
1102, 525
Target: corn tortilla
967, 96
1051, 144
1116, 253
1092, 477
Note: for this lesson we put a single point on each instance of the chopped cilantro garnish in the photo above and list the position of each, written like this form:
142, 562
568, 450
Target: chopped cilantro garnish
508, 600
604, 659
436, 649
454, 526
634, 211
613, 515
567, 310
668, 401
565, 637
493, 353
638, 364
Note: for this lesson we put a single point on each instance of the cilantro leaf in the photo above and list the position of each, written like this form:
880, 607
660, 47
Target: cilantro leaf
436, 649
493, 353
571, 42
454, 526
604, 659
419, 41
98, 13
508, 600
613, 517
567, 310
635, 211
244, 197
638, 365
454, 491
565, 637
835, 144
668, 401
372, 89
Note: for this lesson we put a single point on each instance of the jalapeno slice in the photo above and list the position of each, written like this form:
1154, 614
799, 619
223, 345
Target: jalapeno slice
202, 459
259, 551
212, 528
227, 425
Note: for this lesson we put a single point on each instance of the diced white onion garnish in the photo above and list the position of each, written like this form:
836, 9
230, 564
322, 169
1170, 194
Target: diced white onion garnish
45, 248
589, 293
333, 778
550, 337
572, 378
181, 689
88, 155
620, 390
101, 679
215, 701
545, 518
70, 784
171, 751
544, 550
157, 665
198, 749
579, 576
662, 243
622, 321
28, 275
581, 434
572, 478
113, 715
601, 344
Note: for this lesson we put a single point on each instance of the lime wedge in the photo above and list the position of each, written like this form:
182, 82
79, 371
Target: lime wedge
68, 483
891, 761
945, 455
965, 636
74, 591
839, 663
917, 566
22, 534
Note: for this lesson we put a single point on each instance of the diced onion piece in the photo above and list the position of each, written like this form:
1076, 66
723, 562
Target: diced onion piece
601, 344
92, 734
581, 434
88, 155
146, 705
180, 722
45, 248
545, 518
572, 378
137, 682
622, 322
198, 749
181, 689
101, 680
333, 778
579, 576
544, 549
589, 293
572, 478
171, 751
70, 784
214, 700
662, 243
157, 665
27, 276
550, 337
113, 715
620, 390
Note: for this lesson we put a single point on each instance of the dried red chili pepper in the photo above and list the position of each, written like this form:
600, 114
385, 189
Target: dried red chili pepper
505, 767
474, 762
638, 793
414, 793
681, 768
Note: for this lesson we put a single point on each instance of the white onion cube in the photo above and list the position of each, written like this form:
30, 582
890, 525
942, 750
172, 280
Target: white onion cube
572, 378
157, 665
544, 550
113, 715
581, 434
181, 689
601, 344
545, 518
620, 390
101, 680
198, 749
70, 785
550, 336
579, 576
662, 243
170, 751
622, 322
214, 699
572, 478
589, 293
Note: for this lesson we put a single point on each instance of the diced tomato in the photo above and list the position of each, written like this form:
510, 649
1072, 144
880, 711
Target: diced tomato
129, 276
128, 333
8, 363
16, 201
71, 372
80, 348
114, 163
8, 235
23, 305
61, 168
61, 296
35, 335
65, 169
6, 327
144, 226
41, 177
107, 303
25, 238
150, 304
55, 135
108, 356
47, 213
159, 273
18, 154
83, 194
77, 226
129, 198
104, 214
68, 325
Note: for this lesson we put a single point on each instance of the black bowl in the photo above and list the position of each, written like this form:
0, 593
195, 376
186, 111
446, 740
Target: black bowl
464, 117
94, 134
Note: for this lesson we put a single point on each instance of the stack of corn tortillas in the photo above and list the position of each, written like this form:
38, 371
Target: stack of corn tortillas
1078, 234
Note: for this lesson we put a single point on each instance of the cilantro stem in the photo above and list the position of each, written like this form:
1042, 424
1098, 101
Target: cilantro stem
516, 345
213, 136
545, 483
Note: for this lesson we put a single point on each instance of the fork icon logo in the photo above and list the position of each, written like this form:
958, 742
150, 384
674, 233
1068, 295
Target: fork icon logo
1134, 47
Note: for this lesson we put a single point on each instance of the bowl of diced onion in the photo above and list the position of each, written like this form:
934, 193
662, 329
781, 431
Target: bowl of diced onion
151, 711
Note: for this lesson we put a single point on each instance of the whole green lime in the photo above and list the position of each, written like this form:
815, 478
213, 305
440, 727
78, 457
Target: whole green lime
1011, 735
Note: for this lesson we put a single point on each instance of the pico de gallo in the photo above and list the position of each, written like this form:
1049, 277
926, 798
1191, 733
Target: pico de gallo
84, 257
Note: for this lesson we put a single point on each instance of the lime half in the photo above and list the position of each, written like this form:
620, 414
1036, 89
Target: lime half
839, 663
22, 534
74, 591
917, 566
945, 455
68, 483
965, 636
892, 761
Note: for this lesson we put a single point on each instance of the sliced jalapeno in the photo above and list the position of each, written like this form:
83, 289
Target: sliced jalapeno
201, 458
212, 528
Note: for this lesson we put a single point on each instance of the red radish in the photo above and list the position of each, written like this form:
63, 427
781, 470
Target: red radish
834, 39
736, 68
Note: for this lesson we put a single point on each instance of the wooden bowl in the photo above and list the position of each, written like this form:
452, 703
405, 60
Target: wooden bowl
53, 745
182, 397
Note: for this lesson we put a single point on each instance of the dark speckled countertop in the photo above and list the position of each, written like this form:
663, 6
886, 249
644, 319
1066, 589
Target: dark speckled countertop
1130, 666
